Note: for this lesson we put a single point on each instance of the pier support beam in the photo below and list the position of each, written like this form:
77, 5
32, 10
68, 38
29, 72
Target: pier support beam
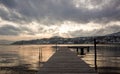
82, 51
77, 51
88, 49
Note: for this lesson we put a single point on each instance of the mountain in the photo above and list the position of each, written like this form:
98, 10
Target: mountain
111, 38
114, 34
5, 42
58, 40
56, 37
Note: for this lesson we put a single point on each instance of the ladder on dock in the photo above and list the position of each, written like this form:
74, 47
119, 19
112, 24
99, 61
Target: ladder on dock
65, 61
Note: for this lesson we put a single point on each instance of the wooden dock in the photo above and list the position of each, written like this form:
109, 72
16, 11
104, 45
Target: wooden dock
65, 61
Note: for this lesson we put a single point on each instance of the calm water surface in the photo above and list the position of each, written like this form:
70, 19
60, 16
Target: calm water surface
108, 58
27, 59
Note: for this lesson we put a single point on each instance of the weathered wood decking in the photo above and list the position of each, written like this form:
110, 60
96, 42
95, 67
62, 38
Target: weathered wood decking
65, 61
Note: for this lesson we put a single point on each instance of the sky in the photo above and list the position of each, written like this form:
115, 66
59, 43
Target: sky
36, 19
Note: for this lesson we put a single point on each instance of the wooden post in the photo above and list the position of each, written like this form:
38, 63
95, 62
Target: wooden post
40, 55
95, 54
82, 51
39, 58
56, 47
88, 50
77, 51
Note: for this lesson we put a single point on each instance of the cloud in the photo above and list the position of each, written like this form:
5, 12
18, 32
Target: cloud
108, 30
54, 11
10, 15
49, 15
96, 32
9, 30
8, 3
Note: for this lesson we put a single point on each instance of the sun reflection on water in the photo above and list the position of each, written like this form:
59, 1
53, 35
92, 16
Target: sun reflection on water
24, 57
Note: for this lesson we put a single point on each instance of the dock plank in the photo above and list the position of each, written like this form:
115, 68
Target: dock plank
65, 61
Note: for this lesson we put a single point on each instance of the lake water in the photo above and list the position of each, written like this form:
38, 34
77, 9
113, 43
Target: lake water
23, 59
108, 59
27, 59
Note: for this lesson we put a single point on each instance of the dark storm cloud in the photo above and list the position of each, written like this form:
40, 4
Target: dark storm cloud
9, 30
96, 32
4, 14
55, 12
81, 33
108, 30
8, 3
11, 15
109, 12
14, 31
52, 11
